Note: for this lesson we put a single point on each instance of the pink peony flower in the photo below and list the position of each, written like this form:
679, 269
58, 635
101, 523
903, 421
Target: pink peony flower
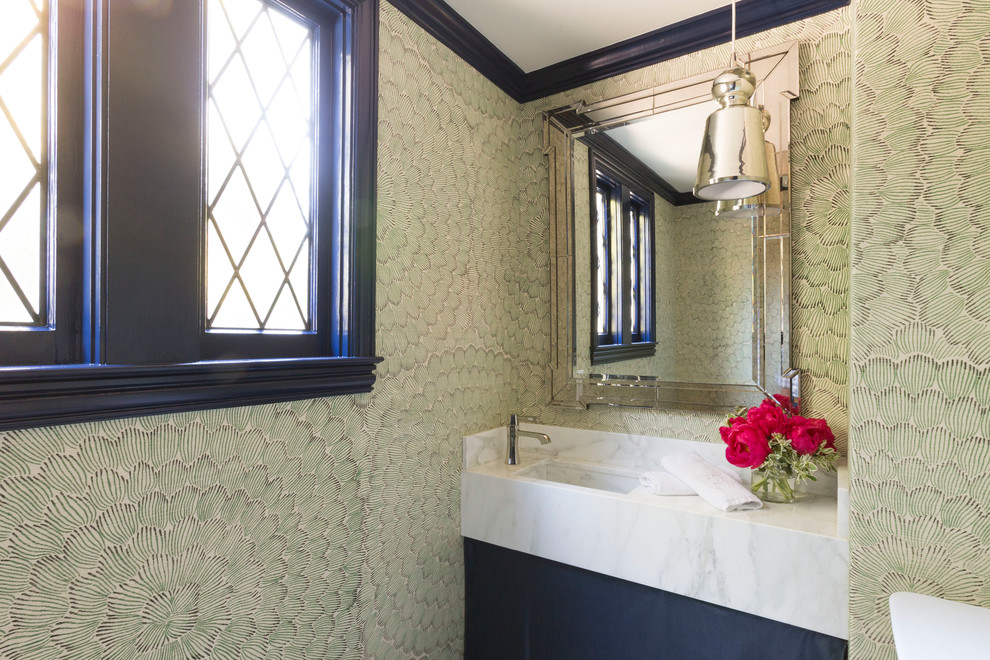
769, 418
737, 420
807, 435
785, 403
747, 445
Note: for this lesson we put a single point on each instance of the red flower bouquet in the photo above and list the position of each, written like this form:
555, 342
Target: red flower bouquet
784, 448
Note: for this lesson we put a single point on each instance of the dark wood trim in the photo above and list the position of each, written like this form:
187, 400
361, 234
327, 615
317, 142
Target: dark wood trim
606, 354
623, 167
364, 187
152, 185
47, 395
705, 31
685, 198
61, 395
621, 157
441, 21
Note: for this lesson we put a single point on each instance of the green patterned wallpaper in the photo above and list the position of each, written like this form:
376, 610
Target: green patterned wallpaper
714, 300
225, 534
317, 529
328, 528
920, 410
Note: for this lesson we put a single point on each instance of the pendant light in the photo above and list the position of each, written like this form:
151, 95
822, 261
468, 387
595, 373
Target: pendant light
767, 204
733, 162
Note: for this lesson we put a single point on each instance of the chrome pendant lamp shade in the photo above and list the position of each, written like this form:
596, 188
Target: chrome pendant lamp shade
733, 162
767, 204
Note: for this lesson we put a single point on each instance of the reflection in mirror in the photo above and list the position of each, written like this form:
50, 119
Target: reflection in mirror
618, 226
720, 294
703, 295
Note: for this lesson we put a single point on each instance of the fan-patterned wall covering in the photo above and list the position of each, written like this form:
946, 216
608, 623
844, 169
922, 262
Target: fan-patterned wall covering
714, 307
329, 528
920, 422
318, 529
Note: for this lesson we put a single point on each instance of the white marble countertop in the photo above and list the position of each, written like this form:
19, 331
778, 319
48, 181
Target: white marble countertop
785, 562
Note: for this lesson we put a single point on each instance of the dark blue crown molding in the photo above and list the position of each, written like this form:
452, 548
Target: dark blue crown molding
439, 19
704, 31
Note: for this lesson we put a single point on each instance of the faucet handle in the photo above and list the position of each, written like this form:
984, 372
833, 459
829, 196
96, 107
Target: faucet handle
512, 436
523, 418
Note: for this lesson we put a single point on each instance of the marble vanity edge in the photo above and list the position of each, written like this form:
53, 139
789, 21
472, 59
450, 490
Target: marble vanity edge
734, 563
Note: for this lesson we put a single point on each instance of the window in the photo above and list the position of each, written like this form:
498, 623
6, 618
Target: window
261, 130
622, 263
24, 170
187, 200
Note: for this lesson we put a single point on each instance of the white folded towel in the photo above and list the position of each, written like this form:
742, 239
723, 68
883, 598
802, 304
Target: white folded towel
662, 482
712, 484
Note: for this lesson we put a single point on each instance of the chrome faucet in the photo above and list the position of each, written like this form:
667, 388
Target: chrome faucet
511, 457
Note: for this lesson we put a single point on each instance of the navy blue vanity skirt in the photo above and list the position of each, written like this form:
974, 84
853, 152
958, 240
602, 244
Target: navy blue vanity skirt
521, 607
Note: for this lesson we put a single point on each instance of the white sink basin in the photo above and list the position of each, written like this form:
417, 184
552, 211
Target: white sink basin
599, 477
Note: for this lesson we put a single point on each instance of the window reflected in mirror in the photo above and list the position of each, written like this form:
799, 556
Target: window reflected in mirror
668, 283
622, 267
719, 293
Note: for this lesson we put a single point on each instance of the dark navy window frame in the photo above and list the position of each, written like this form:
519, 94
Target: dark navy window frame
128, 337
626, 191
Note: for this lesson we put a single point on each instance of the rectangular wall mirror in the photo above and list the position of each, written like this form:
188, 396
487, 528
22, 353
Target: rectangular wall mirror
657, 301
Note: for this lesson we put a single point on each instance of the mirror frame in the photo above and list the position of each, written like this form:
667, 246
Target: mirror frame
776, 71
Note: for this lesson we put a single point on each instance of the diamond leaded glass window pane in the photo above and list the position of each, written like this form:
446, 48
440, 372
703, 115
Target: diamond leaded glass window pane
260, 151
23, 162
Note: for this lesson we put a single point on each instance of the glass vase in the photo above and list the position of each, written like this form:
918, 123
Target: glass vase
773, 487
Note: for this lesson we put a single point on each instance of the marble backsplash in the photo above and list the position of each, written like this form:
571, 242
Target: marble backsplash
619, 449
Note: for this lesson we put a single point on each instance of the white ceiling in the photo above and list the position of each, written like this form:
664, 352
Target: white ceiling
538, 33
668, 143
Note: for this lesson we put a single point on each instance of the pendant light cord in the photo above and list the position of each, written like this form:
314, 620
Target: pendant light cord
732, 61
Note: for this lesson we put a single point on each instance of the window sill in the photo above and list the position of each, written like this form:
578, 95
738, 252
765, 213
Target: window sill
617, 353
44, 396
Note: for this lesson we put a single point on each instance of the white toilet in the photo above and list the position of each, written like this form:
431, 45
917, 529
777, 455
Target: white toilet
929, 628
